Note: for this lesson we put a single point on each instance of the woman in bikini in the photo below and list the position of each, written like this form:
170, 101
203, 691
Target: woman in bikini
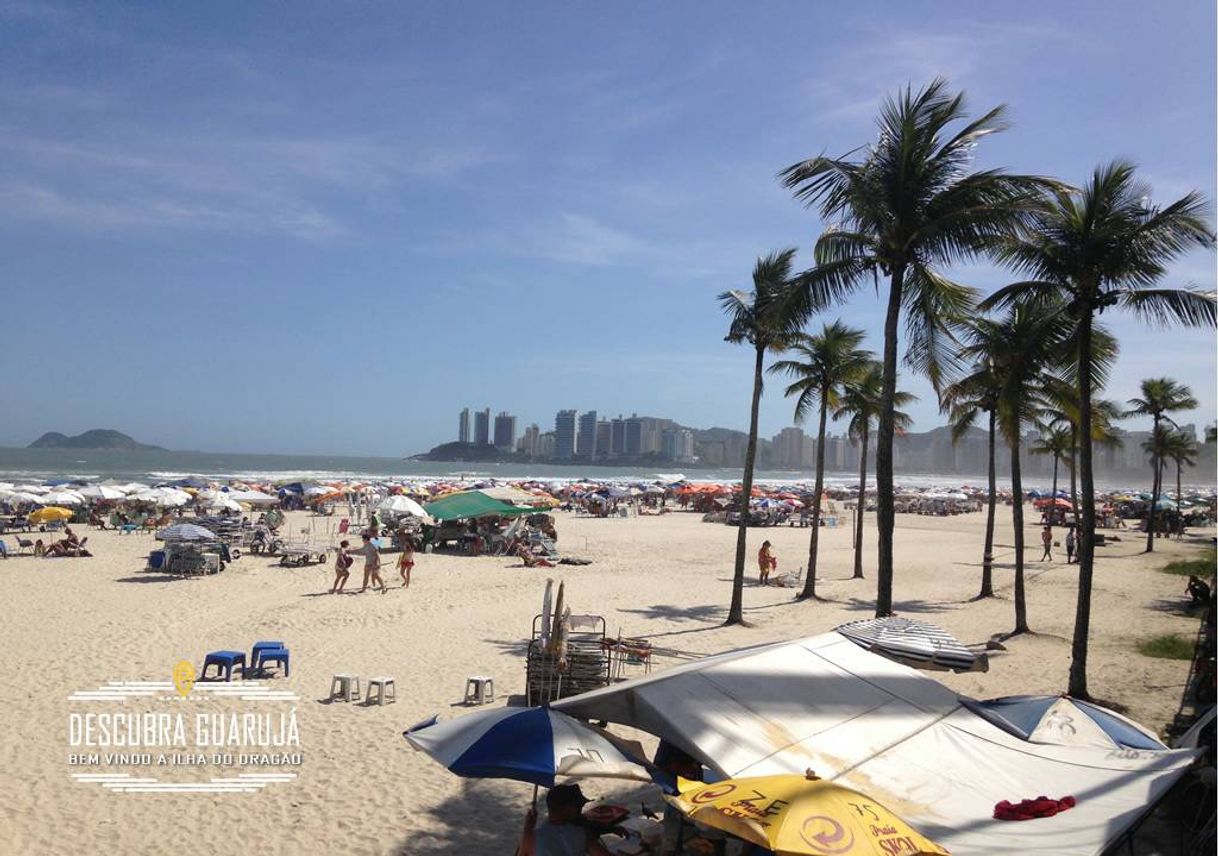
766, 562
406, 559
342, 567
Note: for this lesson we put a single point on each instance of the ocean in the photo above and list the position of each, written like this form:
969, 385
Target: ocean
18, 465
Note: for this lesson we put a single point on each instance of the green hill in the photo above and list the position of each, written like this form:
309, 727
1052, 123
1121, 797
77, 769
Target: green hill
98, 438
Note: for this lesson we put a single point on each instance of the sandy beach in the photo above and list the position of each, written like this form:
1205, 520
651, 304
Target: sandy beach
74, 624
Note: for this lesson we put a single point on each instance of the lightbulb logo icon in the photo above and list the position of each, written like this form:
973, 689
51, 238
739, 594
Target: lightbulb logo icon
183, 677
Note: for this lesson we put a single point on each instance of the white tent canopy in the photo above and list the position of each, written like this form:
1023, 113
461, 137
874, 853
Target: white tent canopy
891, 732
402, 505
253, 497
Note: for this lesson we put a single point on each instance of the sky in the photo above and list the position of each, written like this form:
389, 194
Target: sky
326, 228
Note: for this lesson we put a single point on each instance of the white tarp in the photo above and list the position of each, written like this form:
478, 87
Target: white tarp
889, 731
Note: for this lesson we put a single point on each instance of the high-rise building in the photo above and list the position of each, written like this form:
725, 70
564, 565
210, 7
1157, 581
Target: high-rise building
789, 448
564, 435
634, 436
677, 444
604, 436
585, 446
482, 427
546, 445
617, 437
463, 426
529, 443
505, 431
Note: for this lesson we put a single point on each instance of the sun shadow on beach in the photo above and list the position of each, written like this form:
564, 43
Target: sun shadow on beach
485, 817
152, 578
670, 612
516, 647
856, 604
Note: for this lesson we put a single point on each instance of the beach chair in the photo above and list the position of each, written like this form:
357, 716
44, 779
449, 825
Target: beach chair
343, 526
3, 549
24, 544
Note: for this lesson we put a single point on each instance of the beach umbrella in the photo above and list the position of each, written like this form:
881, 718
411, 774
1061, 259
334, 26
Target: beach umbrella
18, 497
220, 502
915, 643
400, 505
101, 492
62, 497
532, 744
166, 497
790, 814
1064, 721
186, 532
253, 497
50, 513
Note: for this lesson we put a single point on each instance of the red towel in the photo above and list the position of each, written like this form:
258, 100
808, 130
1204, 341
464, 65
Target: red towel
1028, 809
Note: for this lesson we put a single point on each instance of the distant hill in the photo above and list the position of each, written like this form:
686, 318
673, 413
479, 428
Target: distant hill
98, 438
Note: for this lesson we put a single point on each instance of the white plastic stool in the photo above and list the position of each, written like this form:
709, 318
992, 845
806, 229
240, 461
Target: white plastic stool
479, 689
381, 685
345, 687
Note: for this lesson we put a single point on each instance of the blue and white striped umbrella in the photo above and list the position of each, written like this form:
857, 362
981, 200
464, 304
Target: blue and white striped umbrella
533, 744
914, 643
186, 532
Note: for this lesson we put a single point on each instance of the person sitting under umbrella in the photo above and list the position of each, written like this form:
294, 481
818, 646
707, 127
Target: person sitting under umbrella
564, 832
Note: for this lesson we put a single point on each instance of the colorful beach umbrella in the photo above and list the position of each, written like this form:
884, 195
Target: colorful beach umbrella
49, 514
534, 744
793, 815
919, 644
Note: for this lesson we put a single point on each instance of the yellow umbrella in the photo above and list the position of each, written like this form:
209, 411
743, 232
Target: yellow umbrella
796, 815
51, 512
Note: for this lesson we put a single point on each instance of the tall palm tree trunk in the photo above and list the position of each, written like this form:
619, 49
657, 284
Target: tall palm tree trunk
735, 614
860, 507
814, 541
1074, 474
987, 560
1179, 514
1156, 483
884, 512
1086, 532
1055, 460
1021, 605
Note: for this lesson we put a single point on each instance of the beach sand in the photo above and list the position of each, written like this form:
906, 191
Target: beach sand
74, 624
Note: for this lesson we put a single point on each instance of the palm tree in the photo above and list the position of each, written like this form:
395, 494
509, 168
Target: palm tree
966, 399
1055, 442
1093, 250
860, 403
824, 363
907, 207
1182, 450
1018, 349
757, 318
1160, 396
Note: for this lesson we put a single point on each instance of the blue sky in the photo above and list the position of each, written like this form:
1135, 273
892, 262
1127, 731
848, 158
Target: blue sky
326, 228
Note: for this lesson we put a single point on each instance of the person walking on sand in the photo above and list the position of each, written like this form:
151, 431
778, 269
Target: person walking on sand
1046, 538
342, 567
766, 562
406, 559
372, 563
1070, 542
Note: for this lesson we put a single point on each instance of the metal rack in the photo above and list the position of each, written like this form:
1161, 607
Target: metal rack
585, 667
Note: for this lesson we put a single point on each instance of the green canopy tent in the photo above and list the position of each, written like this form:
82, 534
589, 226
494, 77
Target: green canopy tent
473, 503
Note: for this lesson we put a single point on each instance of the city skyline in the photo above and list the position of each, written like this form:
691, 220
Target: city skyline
584, 437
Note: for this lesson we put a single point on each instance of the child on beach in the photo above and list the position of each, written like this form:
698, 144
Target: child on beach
766, 561
342, 567
372, 563
406, 559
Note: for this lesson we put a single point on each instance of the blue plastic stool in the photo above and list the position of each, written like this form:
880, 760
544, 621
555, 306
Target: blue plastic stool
278, 656
258, 649
225, 662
